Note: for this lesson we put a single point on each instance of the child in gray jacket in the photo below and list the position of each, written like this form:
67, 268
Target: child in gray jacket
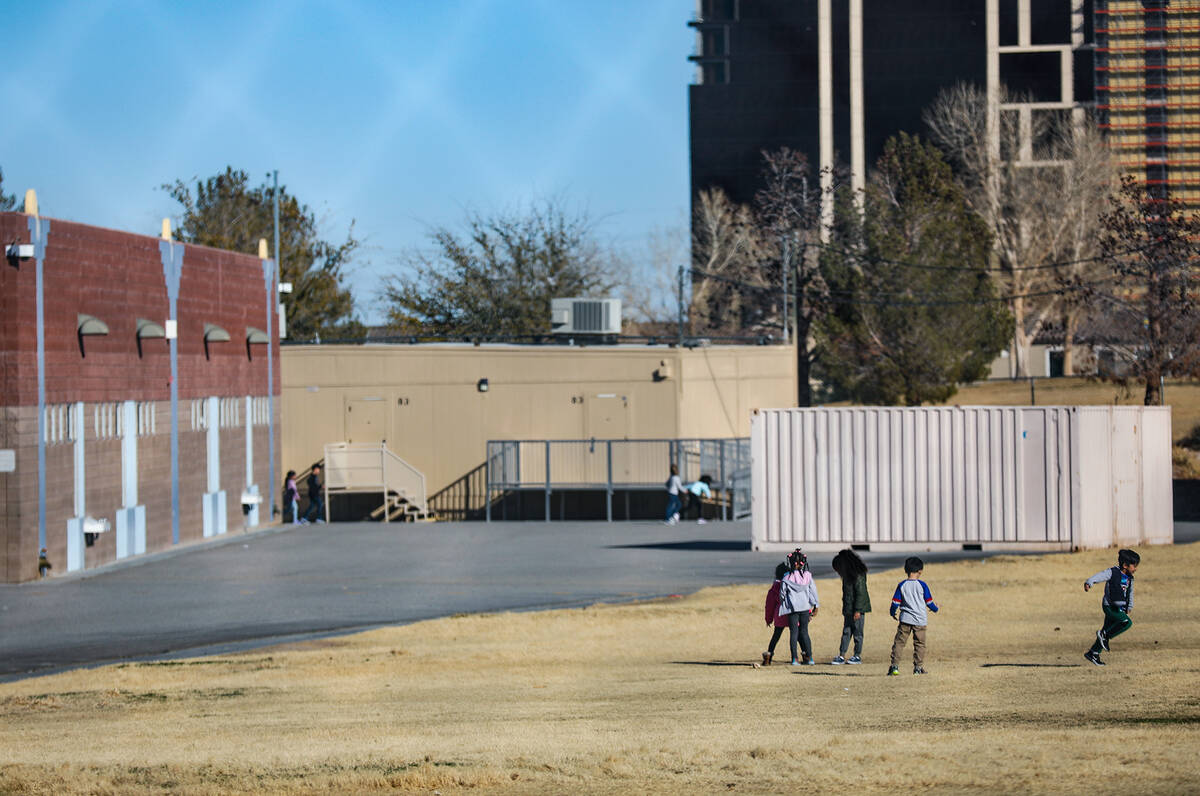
909, 605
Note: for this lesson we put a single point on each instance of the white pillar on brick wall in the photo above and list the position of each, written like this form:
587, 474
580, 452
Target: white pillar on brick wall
214, 517
212, 427
251, 487
75, 543
131, 518
129, 465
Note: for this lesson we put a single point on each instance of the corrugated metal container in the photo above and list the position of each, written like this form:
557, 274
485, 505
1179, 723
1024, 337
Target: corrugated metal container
1055, 477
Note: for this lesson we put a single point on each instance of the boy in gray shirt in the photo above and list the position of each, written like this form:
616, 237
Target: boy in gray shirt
909, 605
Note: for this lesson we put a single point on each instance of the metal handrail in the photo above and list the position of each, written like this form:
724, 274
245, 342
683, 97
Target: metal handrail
372, 467
411, 480
616, 464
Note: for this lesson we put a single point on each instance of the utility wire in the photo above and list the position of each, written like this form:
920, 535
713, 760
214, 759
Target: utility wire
905, 300
927, 267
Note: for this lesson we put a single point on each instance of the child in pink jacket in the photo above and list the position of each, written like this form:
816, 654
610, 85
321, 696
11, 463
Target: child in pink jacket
772, 613
798, 601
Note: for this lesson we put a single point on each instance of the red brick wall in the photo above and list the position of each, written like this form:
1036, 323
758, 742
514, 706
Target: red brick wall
118, 278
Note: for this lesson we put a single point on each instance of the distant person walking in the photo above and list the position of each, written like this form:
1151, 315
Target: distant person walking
772, 615
909, 605
856, 604
798, 600
316, 500
291, 498
1116, 603
697, 491
674, 502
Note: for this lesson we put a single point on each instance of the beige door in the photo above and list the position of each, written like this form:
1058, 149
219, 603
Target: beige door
366, 419
607, 416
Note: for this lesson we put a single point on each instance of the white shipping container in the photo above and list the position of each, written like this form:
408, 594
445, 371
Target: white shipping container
1050, 477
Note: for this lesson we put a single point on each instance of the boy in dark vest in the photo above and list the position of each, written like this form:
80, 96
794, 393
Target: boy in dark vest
1116, 603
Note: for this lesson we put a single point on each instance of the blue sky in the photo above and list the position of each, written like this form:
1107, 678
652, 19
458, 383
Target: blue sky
397, 115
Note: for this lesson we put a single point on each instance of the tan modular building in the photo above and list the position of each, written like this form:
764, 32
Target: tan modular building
437, 405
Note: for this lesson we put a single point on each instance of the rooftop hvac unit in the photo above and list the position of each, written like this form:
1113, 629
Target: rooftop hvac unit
585, 316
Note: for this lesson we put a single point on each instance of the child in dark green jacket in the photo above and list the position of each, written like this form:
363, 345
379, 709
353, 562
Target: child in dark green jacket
856, 603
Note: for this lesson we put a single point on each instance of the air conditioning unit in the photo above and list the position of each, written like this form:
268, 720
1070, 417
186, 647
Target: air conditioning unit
585, 316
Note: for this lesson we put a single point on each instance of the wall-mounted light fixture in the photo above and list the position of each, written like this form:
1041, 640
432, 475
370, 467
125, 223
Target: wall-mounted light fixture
18, 251
146, 330
213, 334
90, 325
482, 385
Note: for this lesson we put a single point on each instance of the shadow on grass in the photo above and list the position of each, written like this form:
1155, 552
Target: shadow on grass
1032, 665
699, 544
746, 664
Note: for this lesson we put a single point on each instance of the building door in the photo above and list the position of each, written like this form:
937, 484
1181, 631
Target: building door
366, 419
607, 416
1056, 360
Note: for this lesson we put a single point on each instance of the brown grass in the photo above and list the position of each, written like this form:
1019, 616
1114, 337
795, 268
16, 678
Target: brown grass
656, 697
1183, 397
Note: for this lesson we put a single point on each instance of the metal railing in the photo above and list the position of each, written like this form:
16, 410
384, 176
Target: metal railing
371, 467
619, 464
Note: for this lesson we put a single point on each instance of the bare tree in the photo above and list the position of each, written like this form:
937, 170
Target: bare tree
727, 252
789, 214
649, 280
1010, 175
1153, 296
1088, 174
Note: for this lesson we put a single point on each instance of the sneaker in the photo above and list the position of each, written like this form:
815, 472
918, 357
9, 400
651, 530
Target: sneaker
701, 521
838, 661
919, 670
1103, 640
1093, 657
767, 658
809, 662
320, 521
854, 660
675, 518
892, 671
797, 663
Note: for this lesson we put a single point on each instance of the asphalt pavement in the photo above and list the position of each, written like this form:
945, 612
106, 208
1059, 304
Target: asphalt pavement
279, 584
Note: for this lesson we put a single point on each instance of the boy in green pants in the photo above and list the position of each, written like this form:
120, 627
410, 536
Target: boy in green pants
1116, 603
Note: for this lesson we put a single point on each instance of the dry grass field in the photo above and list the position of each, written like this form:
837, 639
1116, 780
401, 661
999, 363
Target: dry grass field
1182, 396
657, 697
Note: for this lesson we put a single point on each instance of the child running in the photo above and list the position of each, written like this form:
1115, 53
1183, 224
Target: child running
798, 600
772, 613
856, 604
911, 600
1116, 603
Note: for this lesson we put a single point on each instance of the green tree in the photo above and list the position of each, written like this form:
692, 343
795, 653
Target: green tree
496, 277
1150, 300
225, 212
913, 305
7, 201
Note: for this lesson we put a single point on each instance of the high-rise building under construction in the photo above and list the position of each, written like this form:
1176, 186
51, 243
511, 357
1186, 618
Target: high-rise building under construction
1148, 91
835, 78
